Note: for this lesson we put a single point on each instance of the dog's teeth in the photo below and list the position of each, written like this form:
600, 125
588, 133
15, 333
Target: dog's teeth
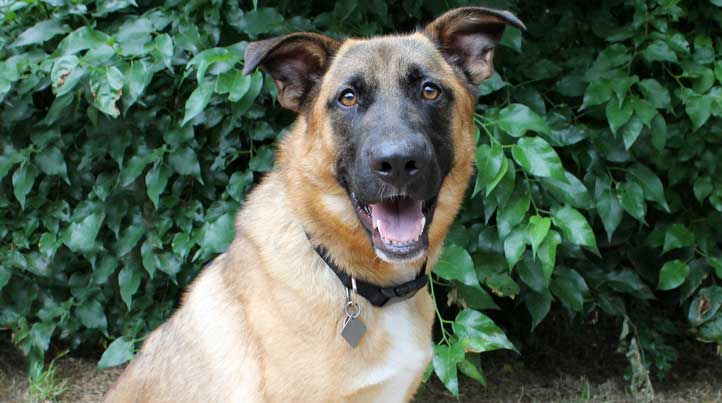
423, 222
377, 224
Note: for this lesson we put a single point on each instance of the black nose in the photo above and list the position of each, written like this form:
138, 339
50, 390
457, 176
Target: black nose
400, 161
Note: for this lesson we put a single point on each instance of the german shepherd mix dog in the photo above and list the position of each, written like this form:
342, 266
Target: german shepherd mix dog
315, 300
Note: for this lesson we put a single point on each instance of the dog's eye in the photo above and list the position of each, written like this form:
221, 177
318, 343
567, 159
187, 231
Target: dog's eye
347, 98
430, 92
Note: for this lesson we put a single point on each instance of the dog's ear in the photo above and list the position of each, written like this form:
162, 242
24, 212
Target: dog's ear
296, 62
467, 37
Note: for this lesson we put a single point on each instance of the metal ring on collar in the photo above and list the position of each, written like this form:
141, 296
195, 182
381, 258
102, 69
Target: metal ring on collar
352, 309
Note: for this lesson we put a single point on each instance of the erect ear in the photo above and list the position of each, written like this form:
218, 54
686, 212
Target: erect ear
296, 62
467, 37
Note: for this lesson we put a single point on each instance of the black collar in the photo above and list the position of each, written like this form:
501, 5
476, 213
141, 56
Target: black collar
376, 295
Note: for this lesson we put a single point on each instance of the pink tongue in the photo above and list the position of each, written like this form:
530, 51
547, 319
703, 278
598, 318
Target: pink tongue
399, 220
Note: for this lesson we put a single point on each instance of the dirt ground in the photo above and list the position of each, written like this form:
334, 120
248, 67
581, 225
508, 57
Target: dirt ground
509, 380
564, 367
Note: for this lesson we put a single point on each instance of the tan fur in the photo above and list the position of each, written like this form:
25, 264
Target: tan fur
261, 323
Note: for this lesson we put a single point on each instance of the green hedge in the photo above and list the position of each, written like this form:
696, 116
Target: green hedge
129, 138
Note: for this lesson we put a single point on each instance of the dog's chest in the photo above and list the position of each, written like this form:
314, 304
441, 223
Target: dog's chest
406, 356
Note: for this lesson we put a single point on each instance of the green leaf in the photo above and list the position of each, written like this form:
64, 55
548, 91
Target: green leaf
512, 38
703, 49
81, 235
672, 275
531, 273
512, 213
575, 227
106, 89
514, 246
185, 162
5, 275
650, 183
149, 258
239, 184
570, 288
475, 297
40, 32
570, 191
107, 7
537, 231
198, 100
129, 281
631, 131
218, 234
716, 263
655, 93
608, 208
618, 114
91, 315
702, 187
41, 334
23, 180
477, 333
492, 84
456, 264
205, 59
548, 253
659, 132
626, 281
538, 158
155, 181
538, 305
104, 269
502, 285
249, 97
644, 111
608, 61
699, 109
51, 162
659, 51
489, 162
130, 236
472, 370
705, 305
66, 74
517, 119
631, 197
137, 77
164, 50
233, 83
262, 161
677, 236
712, 330
120, 351
445, 360
597, 93
499, 176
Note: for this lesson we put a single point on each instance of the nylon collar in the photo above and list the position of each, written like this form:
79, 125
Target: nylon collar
375, 294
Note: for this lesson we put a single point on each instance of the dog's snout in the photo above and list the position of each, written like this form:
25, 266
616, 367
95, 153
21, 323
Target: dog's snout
399, 162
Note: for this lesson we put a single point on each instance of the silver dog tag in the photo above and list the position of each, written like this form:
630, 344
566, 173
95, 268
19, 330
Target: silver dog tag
353, 330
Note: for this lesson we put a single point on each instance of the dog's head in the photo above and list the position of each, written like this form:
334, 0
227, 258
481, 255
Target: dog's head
393, 116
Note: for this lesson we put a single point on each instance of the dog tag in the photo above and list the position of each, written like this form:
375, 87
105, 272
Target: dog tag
353, 330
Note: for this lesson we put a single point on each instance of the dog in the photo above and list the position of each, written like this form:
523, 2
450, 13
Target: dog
321, 296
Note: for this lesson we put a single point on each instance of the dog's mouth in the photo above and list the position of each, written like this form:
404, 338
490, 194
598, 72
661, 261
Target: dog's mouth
397, 226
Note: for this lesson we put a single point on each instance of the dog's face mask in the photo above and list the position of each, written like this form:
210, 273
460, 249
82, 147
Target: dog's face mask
391, 105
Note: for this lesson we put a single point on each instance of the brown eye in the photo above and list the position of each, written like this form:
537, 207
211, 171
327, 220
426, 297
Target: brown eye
430, 92
348, 98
